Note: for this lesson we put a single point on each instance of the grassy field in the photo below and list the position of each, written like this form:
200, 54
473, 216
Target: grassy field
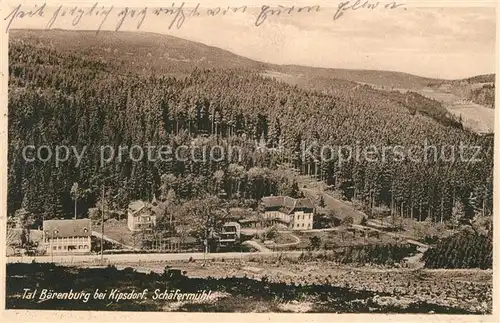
118, 230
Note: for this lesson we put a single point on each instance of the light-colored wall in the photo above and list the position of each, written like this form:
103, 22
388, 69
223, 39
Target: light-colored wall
298, 221
133, 222
61, 245
276, 215
130, 221
302, 221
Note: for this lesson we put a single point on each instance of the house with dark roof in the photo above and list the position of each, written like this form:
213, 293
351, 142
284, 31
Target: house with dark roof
296, 214
67, 236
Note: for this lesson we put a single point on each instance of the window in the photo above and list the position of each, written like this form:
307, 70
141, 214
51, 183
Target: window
85, 247
65, 247
54, 248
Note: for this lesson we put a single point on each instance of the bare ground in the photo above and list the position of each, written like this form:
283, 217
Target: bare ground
469, 289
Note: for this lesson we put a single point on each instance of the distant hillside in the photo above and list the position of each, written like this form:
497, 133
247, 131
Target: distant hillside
477, 89
386, 79
367, 92
138, 51
116, 93
167, 55
480, 89
485, 78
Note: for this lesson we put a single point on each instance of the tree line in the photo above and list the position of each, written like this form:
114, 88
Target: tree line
57, 97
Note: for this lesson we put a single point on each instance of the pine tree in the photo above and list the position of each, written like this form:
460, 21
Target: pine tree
457, 214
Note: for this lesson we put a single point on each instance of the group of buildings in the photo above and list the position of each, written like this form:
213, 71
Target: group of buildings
74, 236
295, 214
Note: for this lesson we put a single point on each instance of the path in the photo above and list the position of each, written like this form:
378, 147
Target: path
289, 244
256, 245
99, 235
409, 239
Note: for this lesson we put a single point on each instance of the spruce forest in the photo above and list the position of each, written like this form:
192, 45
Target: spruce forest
63, 97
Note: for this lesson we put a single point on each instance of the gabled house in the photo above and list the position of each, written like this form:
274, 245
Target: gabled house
296, 214
67, 236
140, 217
230, 234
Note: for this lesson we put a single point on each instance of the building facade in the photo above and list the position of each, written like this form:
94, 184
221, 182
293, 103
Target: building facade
230, 234
140, 217
67, 236
296, 214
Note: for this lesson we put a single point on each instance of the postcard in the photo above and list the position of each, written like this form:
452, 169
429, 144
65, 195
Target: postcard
331, 157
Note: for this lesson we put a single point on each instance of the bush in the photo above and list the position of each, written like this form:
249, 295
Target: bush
314, 243
466, 249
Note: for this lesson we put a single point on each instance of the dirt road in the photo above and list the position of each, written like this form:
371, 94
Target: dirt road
151, 257
256, 245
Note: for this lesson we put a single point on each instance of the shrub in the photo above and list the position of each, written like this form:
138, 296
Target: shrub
465, 249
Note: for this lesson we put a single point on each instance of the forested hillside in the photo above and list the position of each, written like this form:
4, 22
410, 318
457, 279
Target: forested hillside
465, 249
59, 97
478, 89
171, 56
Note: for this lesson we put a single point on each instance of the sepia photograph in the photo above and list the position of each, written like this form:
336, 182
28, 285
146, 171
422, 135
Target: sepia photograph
273, 158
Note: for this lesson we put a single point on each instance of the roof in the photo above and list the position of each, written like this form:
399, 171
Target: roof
67, 228
304, 203
272, 201
286, 204
154, 208
251, 219
136, 206
232, 224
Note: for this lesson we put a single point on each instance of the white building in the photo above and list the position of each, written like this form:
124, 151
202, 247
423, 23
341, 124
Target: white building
296, 214
67, 236
140, 217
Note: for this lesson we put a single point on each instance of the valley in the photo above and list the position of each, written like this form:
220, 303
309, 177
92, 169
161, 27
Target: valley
295, 213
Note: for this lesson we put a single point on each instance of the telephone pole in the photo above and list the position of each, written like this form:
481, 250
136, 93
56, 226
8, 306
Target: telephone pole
102, 225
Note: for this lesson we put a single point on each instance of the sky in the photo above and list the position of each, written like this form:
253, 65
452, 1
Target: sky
435, 42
